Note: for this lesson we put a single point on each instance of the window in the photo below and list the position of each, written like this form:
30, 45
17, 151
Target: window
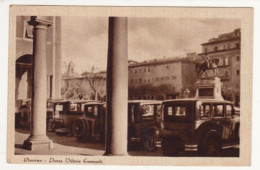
218, 110
73, 107
92, 111
28, 31
238, 58
140, 80
180, 111
147, 111
148, 69
238, 72
221, 62
228, 46
226, 61
158, 110
205, 111
228, 110
216, 48
135, 71
205, 50
169, 113
144, 69
226, 73
238, 45
177, 111
59, 107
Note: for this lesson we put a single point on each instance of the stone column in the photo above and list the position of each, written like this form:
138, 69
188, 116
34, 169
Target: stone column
117, 88
38, 139
57, 58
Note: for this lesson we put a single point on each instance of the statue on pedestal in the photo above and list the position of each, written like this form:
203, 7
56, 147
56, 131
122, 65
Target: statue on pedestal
208, 64
208, 88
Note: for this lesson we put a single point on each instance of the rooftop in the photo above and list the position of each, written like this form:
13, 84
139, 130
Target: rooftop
190, 58
225, 37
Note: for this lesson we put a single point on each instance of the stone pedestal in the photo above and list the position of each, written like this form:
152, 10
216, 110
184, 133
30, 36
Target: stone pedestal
117, 88
38, 139
209, 88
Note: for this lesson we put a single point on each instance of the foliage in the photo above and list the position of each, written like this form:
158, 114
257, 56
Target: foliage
136, 92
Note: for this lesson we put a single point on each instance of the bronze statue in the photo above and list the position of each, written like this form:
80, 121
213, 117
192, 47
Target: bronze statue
208, 64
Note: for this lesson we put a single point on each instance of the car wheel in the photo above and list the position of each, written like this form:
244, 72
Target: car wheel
51, 126
81, 129
212, 148
149, 142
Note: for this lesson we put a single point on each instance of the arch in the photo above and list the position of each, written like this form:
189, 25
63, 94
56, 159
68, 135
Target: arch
25, 59
23, 66
23, 53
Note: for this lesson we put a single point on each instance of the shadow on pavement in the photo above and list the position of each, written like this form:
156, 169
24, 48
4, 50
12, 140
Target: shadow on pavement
67, 140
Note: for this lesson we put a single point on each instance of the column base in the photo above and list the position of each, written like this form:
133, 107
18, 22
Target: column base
38, 145
113, 154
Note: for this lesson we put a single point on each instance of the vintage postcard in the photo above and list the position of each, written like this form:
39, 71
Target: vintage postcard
161, 86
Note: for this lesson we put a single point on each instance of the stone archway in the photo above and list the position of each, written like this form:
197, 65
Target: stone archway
23, 66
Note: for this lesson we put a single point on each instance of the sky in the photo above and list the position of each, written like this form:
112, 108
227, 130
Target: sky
85, 39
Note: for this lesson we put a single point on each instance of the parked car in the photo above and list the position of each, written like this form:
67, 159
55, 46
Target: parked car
203, 125
51, 104
65, 112
144, 123
91, 125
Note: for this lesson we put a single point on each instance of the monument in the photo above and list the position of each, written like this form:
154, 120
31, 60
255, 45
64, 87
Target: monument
208, 87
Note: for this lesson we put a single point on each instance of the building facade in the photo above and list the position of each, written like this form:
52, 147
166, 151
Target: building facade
24, 58
161, 78
226, 50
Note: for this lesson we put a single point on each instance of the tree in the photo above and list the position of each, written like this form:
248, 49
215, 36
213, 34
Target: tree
96, 82
157, 92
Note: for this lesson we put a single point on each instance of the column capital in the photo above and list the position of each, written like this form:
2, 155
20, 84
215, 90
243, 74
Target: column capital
40, 22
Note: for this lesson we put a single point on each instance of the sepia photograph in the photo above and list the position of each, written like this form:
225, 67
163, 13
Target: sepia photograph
91, 86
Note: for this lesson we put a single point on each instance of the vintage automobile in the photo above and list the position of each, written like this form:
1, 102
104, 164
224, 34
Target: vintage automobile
91, 125
144, 123
51, 104
203, 125
65, 112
